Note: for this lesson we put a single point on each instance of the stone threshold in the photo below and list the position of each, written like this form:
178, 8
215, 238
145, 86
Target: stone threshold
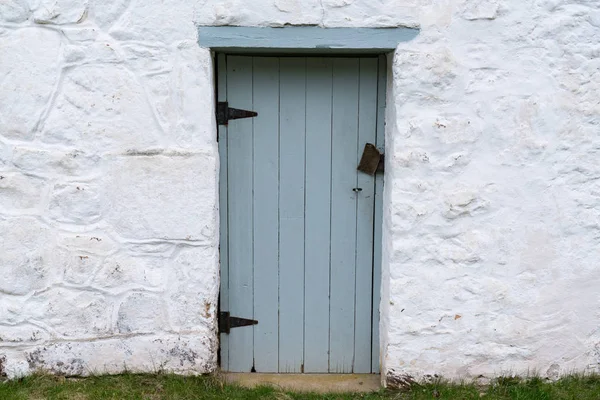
317, 383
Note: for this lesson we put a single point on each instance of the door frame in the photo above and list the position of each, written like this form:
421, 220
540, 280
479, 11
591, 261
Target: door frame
220, 88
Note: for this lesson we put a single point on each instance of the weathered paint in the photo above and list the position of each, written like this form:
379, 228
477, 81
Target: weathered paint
490, 240
302, 38
299, 236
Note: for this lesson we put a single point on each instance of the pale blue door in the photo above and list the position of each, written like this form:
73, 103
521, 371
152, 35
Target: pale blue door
300, 226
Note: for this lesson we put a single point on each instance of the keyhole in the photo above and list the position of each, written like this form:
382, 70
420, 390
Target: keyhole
356, 190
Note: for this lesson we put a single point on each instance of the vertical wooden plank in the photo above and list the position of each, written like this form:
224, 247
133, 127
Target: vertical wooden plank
291, 213
266, 212
367, 111
240, 175
223, 238
343, 213
378, 222
317, 216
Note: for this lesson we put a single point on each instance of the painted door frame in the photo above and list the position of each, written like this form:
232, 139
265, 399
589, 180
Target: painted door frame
221, 86
315, 40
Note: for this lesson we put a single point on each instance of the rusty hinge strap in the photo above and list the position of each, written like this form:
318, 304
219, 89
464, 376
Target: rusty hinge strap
226, 322
226, 113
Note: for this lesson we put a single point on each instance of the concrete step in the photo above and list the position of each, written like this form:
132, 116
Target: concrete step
318, 383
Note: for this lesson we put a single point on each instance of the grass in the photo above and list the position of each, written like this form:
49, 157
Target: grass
163, 386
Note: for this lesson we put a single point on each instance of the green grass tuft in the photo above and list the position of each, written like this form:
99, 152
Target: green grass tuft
175, 387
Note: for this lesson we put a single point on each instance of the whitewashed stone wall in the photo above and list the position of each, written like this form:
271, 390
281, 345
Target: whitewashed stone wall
108, 188
493, 191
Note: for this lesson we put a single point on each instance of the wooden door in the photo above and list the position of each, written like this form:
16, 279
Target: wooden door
300, 226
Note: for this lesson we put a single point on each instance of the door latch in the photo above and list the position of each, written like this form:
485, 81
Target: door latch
372, 160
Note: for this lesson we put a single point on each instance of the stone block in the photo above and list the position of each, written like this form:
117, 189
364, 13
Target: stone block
463, 202
152, 22
162, 195
193, 288
14, 11
22, 333
20, 192
77, 268
75, 203
187, 354
480, 9
103, 50
383, 13
101, 108
107, 12
81, 33
31, 85
142, 313
11, 309
72, 313
195, 125
5, 155
58, 12
25, 257
122, 271
148, 58
95, 243
55, 161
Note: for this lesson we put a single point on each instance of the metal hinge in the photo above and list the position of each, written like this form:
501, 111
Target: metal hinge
225, 113
226, 322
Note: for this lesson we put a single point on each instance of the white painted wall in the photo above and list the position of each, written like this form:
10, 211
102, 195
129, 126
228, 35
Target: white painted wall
493, 191
108, 188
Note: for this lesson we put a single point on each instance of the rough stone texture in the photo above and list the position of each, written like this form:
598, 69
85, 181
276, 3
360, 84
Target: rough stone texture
60, 12
186, 284
101, 107
77, 268
72, 313
56, 161
492, 194
26, 248
108, 188
141, 313
77, 203
14, 11
162, 195
492, 197
19, 191
123, 271
29, 72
